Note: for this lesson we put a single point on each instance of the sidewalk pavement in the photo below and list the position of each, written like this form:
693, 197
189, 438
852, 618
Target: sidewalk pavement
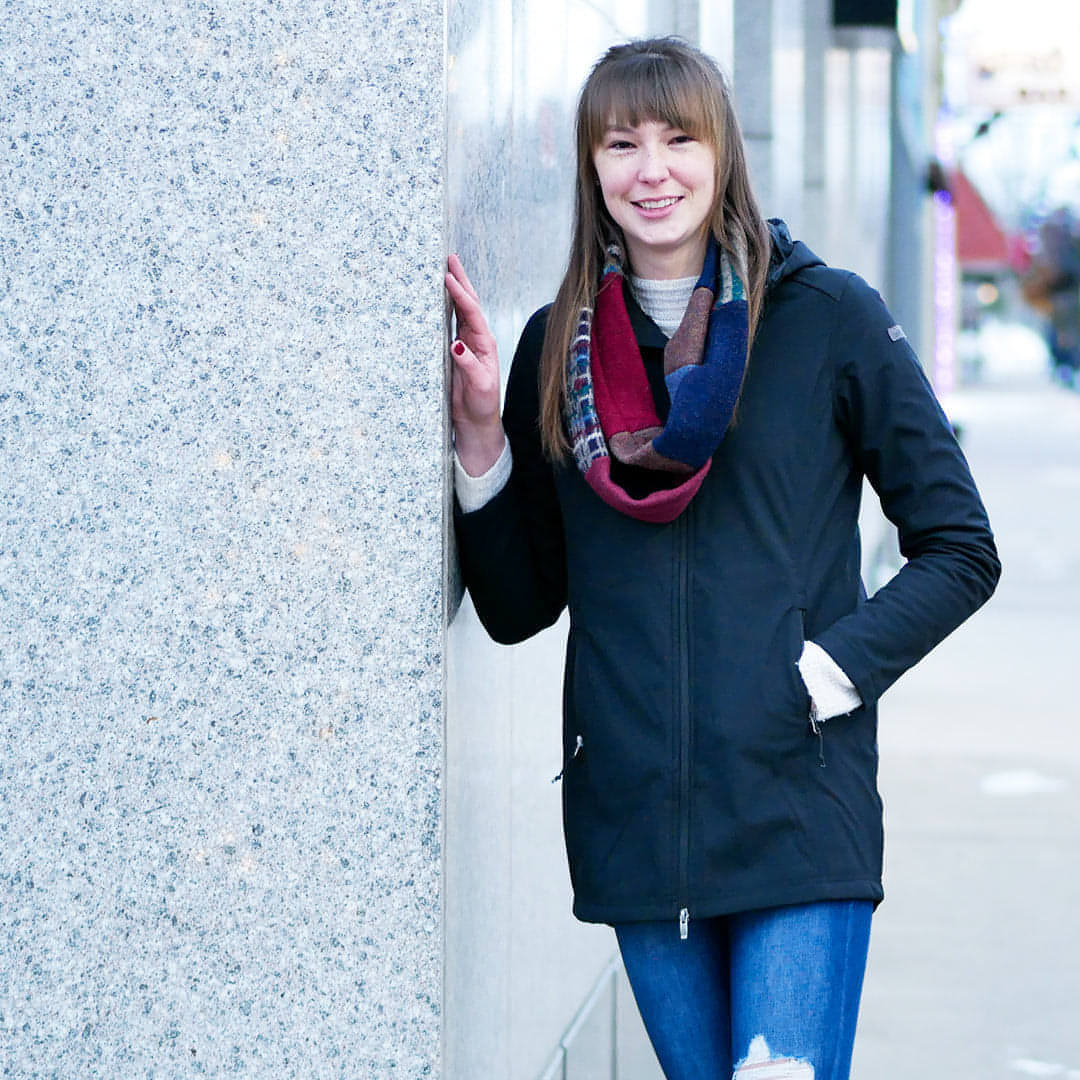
975, 959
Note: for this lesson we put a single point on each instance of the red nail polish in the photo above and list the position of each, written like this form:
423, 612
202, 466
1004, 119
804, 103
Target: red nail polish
459, 348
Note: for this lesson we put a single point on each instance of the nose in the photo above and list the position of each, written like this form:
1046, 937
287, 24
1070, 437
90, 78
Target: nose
653, 168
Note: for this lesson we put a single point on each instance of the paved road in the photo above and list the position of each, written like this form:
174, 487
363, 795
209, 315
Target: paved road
975, 960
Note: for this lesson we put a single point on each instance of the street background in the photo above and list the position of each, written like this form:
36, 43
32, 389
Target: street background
975, 960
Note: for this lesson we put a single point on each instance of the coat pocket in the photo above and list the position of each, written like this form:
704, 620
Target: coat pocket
776, 710
781, 692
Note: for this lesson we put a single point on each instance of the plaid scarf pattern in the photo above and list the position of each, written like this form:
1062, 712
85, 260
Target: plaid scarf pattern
610, 412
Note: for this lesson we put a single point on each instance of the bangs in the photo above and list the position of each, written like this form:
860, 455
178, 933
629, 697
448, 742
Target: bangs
643, 87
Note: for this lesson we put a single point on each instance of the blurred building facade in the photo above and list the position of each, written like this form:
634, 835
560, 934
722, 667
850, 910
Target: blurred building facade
271, 801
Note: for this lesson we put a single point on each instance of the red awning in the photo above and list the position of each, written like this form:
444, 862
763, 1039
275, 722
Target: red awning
982, 245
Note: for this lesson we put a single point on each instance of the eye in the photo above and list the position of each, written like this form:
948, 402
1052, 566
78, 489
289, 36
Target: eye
620, 144
683, 138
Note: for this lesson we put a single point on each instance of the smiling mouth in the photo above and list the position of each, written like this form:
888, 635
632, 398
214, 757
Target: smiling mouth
657, 204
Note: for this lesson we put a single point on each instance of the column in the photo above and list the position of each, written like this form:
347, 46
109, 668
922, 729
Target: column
753, 83
221, 610
817, 31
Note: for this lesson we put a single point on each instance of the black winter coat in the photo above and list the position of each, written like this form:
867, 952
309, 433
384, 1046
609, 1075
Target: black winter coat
693, 783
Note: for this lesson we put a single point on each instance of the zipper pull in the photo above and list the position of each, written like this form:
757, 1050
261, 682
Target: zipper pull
815, 727
578, 746
684, 924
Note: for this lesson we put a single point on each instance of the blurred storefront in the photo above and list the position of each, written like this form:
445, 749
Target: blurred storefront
1009, 123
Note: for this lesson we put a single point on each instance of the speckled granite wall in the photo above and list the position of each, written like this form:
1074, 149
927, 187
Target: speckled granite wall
221, 530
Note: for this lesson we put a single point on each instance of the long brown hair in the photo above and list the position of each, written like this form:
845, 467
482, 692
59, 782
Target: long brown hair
662, 79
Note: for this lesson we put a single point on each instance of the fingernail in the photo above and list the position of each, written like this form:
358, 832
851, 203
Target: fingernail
459, 348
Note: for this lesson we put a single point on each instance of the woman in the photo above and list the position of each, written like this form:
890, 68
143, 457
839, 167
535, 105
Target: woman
679, 461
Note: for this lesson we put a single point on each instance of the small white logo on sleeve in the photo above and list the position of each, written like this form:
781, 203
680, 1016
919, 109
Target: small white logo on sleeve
896, 332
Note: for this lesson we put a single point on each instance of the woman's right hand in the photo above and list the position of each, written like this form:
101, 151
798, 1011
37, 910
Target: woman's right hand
474, 395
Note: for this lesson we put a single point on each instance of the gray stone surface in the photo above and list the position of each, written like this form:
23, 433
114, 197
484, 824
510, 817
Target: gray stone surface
222, 531
590, 1042
789, 79
557, 1069
753, 30
816, 29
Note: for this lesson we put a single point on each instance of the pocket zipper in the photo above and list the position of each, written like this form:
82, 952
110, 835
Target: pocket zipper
578, 747
815, 727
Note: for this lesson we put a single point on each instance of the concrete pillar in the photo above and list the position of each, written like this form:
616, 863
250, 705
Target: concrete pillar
688, 20
906, 256
221, 617
768, 51
717, 32
752, 73
789, 98
817, 36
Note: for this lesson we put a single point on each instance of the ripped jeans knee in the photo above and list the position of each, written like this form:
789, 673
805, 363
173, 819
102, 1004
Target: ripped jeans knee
761, 1064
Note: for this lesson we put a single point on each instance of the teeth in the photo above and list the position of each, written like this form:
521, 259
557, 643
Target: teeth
657, 204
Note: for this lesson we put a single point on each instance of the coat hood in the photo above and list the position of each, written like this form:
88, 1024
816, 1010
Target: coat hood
788, 256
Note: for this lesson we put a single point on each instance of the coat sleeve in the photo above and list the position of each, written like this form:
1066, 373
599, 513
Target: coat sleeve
512, 550
904, 445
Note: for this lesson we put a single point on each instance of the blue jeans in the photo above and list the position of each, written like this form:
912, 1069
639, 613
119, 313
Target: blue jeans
770, 995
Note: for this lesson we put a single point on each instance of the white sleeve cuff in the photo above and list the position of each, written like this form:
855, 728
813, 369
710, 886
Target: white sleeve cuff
831, 691
473, 492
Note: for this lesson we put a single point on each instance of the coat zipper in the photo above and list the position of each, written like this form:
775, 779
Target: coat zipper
815, 724
683, 705
815, 727
578, 746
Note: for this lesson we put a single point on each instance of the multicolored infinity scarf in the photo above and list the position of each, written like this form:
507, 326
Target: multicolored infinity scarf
610, 409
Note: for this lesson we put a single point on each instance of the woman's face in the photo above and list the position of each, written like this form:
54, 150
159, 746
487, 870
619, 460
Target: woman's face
659, 185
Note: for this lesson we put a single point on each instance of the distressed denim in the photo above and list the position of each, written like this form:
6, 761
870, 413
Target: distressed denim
762, 995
